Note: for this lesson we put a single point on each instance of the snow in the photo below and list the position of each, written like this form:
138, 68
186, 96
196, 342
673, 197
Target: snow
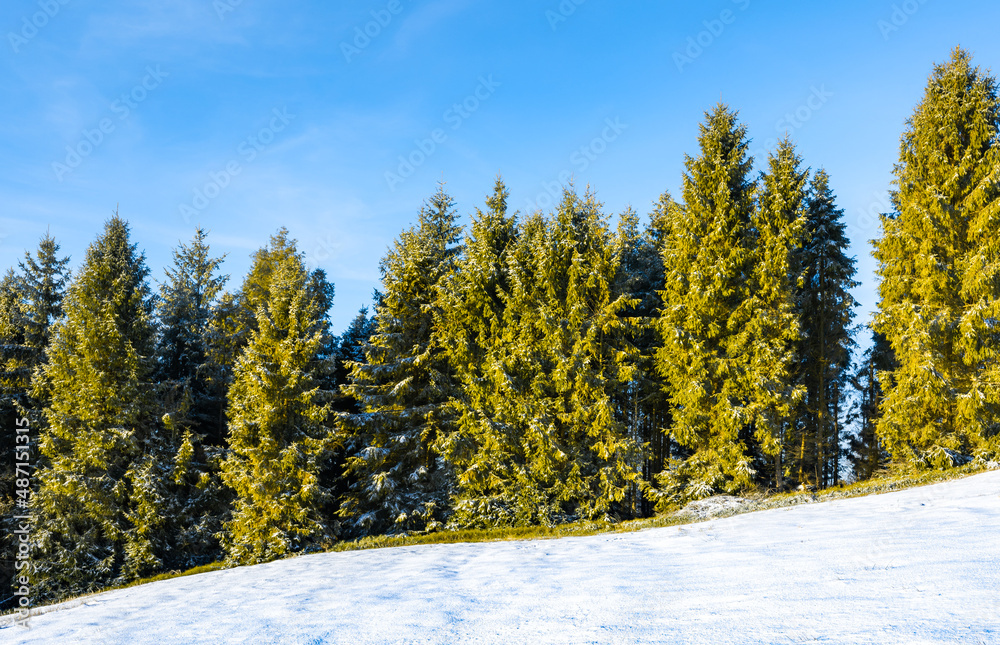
915, 566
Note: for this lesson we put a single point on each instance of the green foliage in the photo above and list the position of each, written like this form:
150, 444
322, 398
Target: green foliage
939, 262
540, 440
30, 303
280, 430
404, 385
865, 450
642, 402
90, 515
708, 254
826, 310
768, 341
182, 482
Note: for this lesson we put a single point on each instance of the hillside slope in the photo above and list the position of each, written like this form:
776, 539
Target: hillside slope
915, 566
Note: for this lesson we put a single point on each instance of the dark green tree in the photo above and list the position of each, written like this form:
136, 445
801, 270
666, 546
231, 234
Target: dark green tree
865, 451
400, 482
642, 402
826, 310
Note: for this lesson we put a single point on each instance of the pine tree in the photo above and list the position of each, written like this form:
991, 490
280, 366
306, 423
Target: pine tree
543, 440
184, 311
938, 261
99, 424
826, 308
404, 385
766, 343
642, 403
708, 253
280, 433
865, 450
183, 475
472, 326
30, 303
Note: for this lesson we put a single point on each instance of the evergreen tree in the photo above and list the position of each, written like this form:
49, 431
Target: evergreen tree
826, 308
642, 402
30, 302
404, 386
938, 261
766, 343
543, 440
865, 450
472, 326
100, 421
280, 433
350, 350
708, 256
184, 310
183, 475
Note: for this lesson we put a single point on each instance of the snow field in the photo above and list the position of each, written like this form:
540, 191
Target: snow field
918, 566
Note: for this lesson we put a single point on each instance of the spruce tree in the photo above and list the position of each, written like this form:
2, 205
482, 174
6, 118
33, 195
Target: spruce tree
472, 325
184, 474
100, 421
400, 482
30, 303
826, 308
642, 401
350, 350
542, 441
765, 346
708, 254
940, 275
865, 451
280, 425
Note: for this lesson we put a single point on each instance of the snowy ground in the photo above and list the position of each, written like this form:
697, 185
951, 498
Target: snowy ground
916, 566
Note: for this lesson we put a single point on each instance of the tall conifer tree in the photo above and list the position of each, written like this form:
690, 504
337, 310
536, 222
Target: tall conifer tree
473, 327
826, 308
100, 422
404, 386
766, 343
708, 258
192, 392
939, 262
642, 402
280, 423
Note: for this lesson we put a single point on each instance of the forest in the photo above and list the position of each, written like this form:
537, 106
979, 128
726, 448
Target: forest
530, 369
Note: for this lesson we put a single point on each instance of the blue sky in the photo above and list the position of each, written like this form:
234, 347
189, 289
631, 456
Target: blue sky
247, 115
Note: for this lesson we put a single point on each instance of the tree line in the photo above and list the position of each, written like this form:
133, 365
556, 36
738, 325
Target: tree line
534, 369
